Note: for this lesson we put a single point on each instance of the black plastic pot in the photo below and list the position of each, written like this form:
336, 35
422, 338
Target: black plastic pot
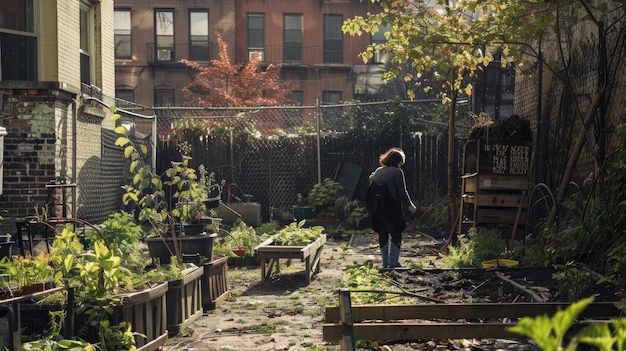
163, 248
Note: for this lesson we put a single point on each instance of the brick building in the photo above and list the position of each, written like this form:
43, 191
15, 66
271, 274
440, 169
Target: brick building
304, 36
152, 37
49, 49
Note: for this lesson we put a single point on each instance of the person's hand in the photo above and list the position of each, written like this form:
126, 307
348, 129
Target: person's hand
412, 208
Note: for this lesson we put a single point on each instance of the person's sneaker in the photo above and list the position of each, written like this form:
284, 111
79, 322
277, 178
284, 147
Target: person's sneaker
399, 267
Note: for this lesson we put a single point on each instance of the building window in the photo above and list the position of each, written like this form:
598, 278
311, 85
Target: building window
18, 41
333, 39
163, 97
292, 38
122, 34
379, 38
256, 36
199, 35
297, 97
164, 34
125, 95
331, 97
86, 38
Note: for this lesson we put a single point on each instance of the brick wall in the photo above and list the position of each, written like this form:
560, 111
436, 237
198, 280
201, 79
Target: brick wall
68, 42
31, 148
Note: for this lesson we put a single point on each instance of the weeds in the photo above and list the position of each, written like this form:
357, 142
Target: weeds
477, 246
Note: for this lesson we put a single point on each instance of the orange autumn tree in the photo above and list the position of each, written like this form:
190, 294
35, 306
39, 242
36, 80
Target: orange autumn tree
223, 84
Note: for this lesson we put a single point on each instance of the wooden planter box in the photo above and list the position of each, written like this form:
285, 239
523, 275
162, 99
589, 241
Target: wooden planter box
146, 311
270, 254
347, 323
12, 311
163, 248
214, 287
184, 300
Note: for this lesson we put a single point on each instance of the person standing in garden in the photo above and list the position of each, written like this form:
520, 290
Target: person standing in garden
384, 198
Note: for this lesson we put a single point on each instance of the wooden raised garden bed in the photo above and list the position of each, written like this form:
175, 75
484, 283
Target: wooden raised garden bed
184, 300
346, 323
214, 287
11, 311
146, 311
269, 255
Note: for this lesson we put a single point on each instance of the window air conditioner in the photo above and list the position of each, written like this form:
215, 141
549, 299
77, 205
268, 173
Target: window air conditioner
255, 55
164, 55
381, 57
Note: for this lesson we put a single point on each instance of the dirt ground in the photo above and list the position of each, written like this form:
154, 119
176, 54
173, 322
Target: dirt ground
286, 314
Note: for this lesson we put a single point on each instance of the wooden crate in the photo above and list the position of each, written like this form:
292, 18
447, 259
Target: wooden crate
214, 286
495, 200
476, 182
269, 256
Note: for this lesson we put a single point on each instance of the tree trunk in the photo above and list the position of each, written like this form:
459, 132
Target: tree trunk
452, 203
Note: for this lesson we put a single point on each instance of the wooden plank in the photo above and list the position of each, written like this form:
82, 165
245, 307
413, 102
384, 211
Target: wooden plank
467, 311
494, 200
499, 216
427, 331
480, 182
314, 246
417, 331
348, 342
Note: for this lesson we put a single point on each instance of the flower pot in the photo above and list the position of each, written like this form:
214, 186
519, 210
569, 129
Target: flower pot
33, 288
304, 212
212, 204
193, 228
240, 251
163, 248
6, 248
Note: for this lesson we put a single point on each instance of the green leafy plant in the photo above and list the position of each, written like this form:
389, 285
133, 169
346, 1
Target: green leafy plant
341, 207
123, 237
96, 274
183, 180
50, 344
148, 189
357, 215
28, 270
323, 196
616, 264
573, 282
240, 235
549, 332
478, 245
295, 234
211, 187
165, 272
369, 286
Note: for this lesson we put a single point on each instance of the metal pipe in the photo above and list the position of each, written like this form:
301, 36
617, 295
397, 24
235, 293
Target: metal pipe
319, 147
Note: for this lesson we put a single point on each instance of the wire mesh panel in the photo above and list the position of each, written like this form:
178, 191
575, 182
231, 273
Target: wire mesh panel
275, 153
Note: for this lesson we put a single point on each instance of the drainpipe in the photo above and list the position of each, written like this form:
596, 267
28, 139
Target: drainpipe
74, 152
318, 124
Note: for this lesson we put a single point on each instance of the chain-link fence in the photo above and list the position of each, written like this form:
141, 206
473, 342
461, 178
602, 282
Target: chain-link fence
276, 153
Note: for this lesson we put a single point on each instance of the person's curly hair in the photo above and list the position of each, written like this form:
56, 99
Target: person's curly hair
392, 157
